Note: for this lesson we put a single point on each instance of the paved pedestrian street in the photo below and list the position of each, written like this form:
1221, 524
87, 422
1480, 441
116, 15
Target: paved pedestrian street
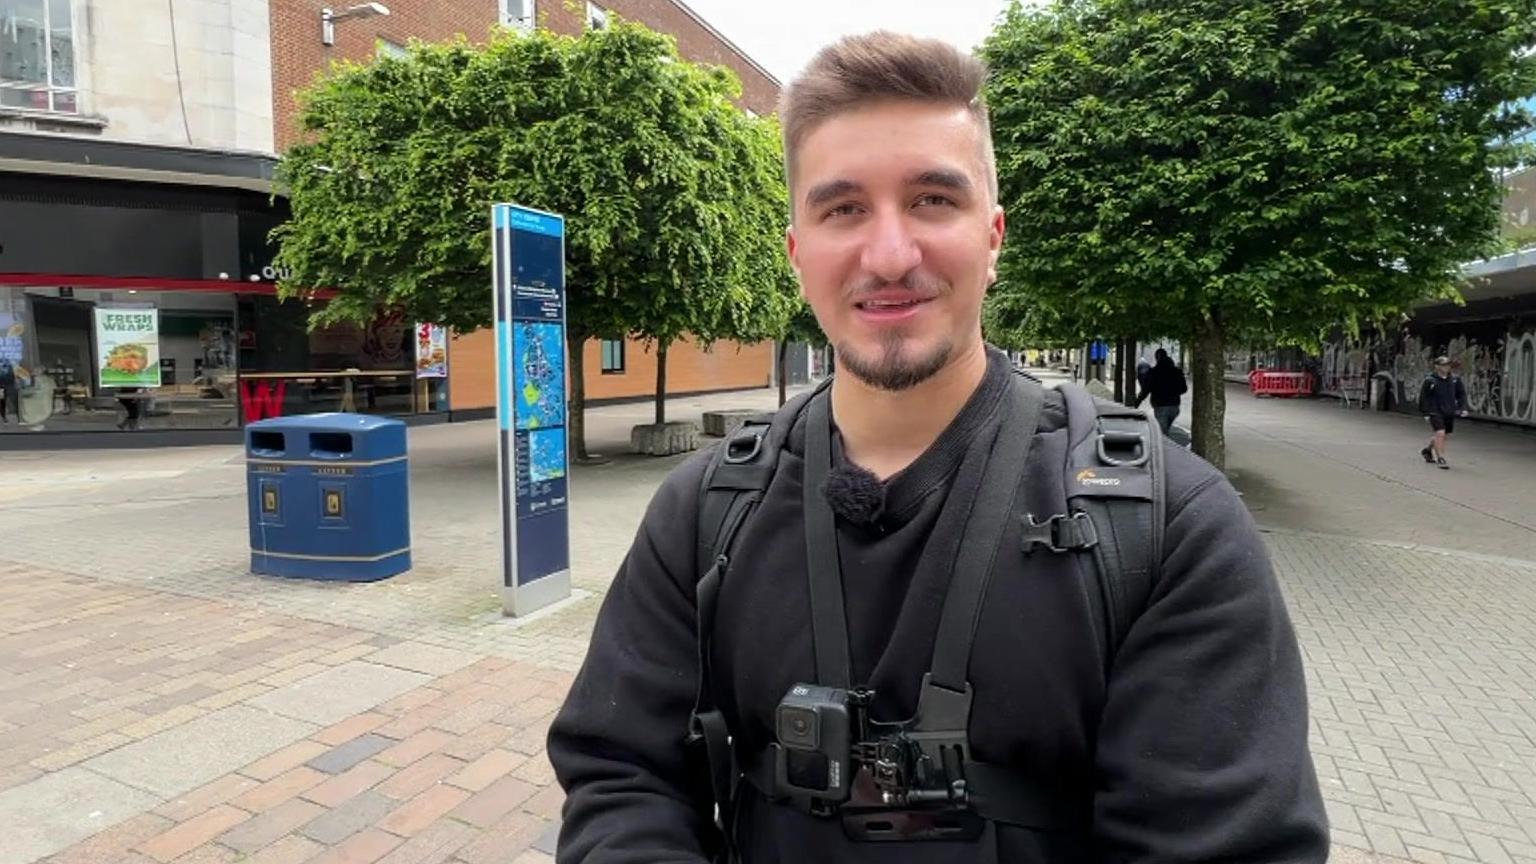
158, 703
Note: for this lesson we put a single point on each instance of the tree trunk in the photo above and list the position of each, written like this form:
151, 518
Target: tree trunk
1129, 372
577, 404
661, 382
783, 368
1210, 392
1120, 354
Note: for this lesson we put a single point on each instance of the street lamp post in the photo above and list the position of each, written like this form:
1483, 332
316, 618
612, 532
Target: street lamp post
329, 17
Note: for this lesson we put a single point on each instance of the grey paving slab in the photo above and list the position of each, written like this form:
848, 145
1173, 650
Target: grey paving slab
344, 756
187, 756
421, 657
350, 817
60, 809
338, 693
547, 841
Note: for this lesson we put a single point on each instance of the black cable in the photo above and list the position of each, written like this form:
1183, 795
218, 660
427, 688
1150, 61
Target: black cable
181, 94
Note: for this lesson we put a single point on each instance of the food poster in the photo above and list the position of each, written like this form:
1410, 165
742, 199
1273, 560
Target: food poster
128, 347
12, 329
431, 351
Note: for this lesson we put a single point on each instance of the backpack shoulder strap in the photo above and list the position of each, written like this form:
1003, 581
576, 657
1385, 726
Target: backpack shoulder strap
738, 474
1116, 503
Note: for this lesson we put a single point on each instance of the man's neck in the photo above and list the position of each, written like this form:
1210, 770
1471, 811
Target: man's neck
884, 431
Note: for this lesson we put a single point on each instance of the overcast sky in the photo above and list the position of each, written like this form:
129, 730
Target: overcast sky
783, 35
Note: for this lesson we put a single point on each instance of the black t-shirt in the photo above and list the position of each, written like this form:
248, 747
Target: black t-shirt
1195, 747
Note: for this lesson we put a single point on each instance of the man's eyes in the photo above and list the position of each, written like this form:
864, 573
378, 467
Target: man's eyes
926, 200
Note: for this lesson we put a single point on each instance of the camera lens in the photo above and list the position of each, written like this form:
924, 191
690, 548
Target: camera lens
797, 727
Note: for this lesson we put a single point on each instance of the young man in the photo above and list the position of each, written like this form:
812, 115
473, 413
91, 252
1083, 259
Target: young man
1166, 385
1186, 742
1442, 399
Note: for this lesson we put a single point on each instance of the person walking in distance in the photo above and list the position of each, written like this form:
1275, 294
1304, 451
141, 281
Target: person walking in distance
1166, 385
10, 402
1442, 399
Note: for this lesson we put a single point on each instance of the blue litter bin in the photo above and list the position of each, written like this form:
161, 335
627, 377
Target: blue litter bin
328, 497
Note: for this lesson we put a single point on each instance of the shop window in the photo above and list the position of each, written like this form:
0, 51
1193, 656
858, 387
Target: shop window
37, 55
597, 17
99, 360
518, 13
613, 356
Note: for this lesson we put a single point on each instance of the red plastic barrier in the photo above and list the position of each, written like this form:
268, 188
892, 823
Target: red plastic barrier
1262, 383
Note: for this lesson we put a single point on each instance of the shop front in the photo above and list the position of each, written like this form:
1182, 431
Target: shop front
135, 311
76, 359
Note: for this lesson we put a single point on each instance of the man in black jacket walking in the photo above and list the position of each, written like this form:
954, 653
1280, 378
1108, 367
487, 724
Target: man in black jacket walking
1187, 741
1166, 385
1442, 399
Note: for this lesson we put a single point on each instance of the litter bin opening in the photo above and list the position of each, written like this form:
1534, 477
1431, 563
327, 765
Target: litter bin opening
330, 445
267, 443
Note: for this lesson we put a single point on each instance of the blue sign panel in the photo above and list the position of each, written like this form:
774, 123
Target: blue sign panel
529, 275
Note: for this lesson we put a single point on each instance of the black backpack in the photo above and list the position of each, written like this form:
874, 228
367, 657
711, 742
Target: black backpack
1114, 513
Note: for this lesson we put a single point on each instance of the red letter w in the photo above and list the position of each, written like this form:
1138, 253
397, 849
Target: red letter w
261, 400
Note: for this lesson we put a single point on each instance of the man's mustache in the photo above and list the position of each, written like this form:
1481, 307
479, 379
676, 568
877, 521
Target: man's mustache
922, 284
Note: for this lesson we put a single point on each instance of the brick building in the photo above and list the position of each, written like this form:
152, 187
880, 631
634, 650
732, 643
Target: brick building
138, 141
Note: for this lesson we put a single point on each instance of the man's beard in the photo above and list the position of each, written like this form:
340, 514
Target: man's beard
892, 370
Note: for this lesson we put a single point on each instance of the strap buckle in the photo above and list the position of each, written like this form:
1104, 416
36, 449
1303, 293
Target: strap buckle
1060, 533
744, 446
1127, 439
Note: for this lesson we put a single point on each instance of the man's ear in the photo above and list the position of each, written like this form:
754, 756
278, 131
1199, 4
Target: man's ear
792, 248
996, 231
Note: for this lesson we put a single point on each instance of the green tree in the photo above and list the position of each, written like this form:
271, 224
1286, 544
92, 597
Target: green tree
1232, 170
641, 152
733, 280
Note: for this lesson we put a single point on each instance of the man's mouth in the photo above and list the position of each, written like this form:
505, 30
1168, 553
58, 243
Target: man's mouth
890, 305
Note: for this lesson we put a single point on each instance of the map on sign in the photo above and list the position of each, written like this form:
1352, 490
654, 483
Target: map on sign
546, 455
539, 369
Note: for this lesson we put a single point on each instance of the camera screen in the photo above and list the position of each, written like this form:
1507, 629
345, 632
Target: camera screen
808, 770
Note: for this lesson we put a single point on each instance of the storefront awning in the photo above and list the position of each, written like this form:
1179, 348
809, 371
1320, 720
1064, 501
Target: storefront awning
73, 156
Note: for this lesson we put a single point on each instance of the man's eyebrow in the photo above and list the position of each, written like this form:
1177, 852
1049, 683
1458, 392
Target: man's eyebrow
944, 179
824, 193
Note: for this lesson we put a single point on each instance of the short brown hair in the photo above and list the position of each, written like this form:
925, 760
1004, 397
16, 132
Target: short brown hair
856, 71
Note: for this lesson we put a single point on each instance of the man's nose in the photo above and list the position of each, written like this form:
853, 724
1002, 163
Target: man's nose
891, 251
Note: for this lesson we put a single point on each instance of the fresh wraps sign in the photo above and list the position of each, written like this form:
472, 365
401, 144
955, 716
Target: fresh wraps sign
128, 347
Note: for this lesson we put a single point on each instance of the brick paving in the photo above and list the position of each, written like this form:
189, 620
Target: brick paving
391, 783
160, 704
1422, 696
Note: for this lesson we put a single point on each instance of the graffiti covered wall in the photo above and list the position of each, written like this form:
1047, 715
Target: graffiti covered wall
1495, 359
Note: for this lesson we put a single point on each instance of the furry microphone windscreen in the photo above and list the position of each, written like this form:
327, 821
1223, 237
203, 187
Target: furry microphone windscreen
854, 494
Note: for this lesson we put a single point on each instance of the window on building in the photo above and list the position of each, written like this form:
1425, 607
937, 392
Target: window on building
518, 13
387, 48
597, 17
37, 55
613, 356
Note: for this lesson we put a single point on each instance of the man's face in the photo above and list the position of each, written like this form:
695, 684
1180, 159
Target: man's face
895, 237
1442, 369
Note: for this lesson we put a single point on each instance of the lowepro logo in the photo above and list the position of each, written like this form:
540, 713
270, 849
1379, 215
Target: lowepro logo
1088, 477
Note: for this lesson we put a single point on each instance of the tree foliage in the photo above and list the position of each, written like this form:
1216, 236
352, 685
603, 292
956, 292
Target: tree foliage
1217, 169
672, 196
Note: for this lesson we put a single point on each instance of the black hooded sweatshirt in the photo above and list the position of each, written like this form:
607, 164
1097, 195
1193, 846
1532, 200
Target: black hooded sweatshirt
1192, 747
